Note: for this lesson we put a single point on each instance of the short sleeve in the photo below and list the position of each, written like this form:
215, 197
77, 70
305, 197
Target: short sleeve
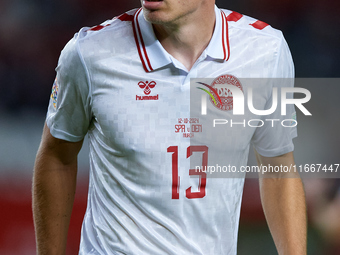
275, 137
69, 113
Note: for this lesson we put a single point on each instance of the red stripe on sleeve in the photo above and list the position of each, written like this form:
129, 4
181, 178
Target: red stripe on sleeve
125, 17
234, 16
97, 28
259, 25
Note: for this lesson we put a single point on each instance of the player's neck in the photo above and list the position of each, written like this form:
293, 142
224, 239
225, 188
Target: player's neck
187, 40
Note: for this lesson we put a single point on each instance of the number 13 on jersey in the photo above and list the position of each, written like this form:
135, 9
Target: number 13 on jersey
202, 176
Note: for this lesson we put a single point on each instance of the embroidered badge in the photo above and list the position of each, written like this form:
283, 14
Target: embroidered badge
221, 97
54, 94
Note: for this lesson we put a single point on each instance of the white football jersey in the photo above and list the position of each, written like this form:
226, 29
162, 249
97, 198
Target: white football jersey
116, 83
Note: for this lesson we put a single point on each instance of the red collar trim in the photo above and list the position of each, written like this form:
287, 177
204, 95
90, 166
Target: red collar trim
140, 43
225, 37
142, 51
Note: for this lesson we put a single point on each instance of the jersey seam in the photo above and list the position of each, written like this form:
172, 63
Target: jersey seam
248, 18
254, 30
62, 134
88, 76
111, 25
280, 148
103, 29
278, 58
275, 152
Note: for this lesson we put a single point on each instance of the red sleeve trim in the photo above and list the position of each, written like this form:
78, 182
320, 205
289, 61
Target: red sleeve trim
122, 17
259, 25
234, 16
125, 17
97, 28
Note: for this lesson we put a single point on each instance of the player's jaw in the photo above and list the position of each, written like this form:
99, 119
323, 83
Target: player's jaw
158, 11
167, 12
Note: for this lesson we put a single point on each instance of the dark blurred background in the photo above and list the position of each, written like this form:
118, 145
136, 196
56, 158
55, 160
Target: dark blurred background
32, 34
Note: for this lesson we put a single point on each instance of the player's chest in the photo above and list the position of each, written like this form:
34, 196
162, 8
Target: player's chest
149, 110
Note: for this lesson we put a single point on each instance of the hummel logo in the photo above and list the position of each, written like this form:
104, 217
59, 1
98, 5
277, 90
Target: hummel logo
147, 86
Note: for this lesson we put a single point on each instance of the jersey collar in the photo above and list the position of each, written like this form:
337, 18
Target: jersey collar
152, 54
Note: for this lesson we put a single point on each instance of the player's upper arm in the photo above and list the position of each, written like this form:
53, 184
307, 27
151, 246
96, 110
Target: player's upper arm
285, 159
64, 152
285, 165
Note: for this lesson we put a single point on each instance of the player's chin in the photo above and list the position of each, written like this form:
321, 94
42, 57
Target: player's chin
156, 17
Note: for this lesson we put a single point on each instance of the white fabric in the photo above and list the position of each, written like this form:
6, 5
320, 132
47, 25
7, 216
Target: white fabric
130, 206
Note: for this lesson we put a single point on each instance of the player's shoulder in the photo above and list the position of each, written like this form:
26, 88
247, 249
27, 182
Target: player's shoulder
117, 24
114, 30
89, 38
244, 22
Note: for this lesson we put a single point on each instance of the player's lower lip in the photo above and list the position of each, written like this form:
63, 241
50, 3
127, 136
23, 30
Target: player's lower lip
152, 5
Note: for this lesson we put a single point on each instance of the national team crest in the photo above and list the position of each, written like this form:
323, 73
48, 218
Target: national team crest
54, 94
220, 96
